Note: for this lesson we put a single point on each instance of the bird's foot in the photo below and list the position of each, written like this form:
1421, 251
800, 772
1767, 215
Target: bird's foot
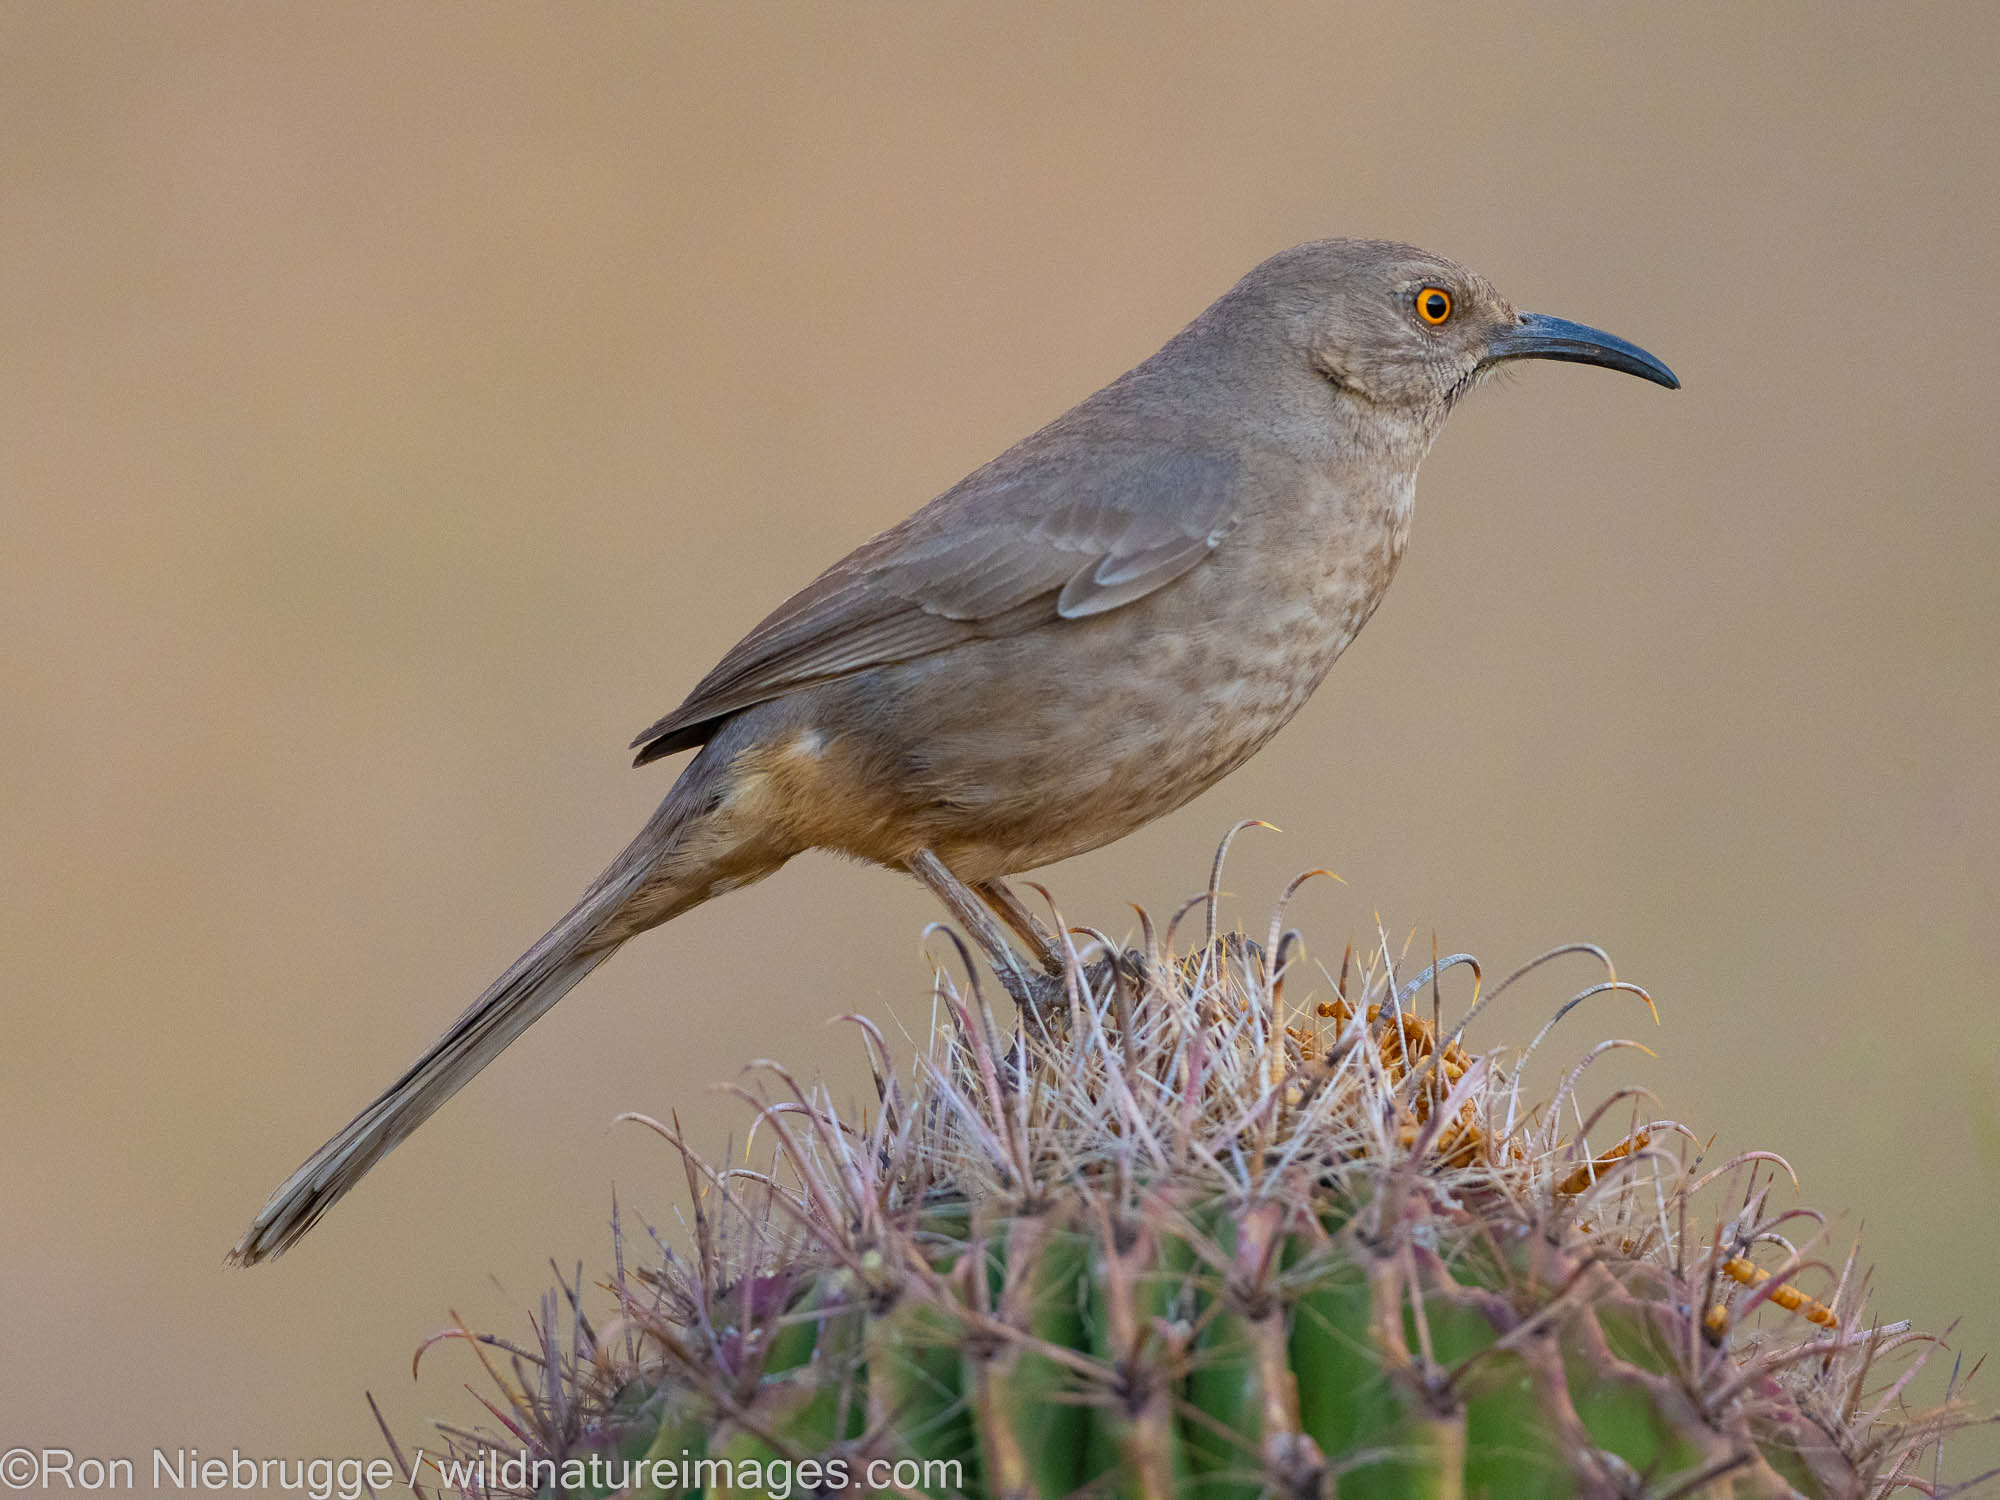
1037, 993
1044, 993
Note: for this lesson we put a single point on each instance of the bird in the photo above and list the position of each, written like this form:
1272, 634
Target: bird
1075, 639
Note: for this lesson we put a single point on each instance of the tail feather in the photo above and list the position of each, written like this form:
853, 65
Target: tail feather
511, 1004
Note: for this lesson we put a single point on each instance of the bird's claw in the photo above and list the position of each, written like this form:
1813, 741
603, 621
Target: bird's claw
1037, 992
1044, 993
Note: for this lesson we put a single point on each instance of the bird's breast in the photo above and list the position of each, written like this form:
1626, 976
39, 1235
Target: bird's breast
1316, 572
1008, 753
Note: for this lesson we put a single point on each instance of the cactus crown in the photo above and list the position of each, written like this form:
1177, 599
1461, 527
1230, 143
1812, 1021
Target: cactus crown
1189, 1235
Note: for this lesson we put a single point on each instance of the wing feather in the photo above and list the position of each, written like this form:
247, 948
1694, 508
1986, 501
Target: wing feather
1113, 582
1033, 538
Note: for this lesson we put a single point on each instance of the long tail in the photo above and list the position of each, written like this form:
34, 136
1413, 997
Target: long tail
594, 929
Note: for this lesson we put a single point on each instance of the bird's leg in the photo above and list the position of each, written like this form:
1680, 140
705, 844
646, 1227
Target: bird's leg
1025, 924
1032, 992
1111, 967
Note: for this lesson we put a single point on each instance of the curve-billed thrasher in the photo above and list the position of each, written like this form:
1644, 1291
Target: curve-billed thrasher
1066, 644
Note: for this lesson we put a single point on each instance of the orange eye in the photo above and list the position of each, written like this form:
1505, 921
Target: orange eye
1434, 305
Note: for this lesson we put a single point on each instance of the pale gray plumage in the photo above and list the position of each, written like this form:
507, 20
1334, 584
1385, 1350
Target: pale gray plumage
991, 556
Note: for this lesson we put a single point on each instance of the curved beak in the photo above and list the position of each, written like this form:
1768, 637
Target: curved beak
1539, 336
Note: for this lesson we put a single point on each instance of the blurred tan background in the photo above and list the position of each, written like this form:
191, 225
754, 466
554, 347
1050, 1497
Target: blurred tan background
401, 407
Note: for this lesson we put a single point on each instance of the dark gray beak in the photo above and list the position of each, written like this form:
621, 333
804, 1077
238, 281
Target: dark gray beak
1539, 336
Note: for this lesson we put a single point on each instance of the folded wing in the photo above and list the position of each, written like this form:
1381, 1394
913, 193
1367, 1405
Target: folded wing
1029, 541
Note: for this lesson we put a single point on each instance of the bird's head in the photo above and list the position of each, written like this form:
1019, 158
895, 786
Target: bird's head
1405, 331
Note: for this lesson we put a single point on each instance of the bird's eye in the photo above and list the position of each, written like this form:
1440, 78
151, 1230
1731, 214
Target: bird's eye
1434, 305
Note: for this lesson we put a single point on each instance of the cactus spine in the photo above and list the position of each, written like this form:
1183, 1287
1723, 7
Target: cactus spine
1187, 1238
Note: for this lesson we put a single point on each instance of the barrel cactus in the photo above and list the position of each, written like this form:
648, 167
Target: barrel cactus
1224, 1225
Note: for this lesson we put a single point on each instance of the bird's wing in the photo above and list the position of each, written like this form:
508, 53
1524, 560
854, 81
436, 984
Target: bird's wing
1023, 542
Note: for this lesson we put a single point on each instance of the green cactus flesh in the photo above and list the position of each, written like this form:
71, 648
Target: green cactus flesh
1161, 1244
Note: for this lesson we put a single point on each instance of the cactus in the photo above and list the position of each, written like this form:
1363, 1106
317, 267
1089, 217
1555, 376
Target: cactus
1188, 1236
